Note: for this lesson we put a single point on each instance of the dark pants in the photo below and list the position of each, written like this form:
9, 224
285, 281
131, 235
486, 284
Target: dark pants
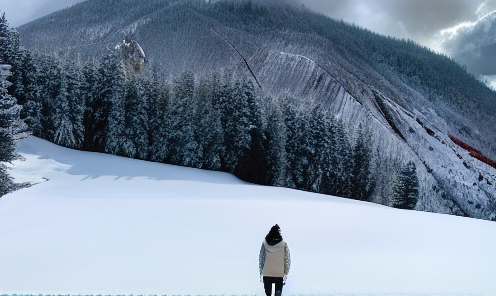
268, 281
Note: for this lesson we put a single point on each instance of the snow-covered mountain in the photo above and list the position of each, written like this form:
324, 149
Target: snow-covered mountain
410, 99
98, 224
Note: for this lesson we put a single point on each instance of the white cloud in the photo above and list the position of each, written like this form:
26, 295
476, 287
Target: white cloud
472, 43
485, 8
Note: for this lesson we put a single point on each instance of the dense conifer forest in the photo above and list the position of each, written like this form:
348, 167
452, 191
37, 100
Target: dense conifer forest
192, 101
221, 122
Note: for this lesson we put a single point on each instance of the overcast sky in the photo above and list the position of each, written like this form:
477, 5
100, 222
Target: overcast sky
413, 19
419, 20
428, 22
19, 12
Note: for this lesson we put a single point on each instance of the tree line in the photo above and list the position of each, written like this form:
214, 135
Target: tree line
222, 122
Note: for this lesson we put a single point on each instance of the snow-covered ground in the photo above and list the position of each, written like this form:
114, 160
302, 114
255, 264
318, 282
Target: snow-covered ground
102, 224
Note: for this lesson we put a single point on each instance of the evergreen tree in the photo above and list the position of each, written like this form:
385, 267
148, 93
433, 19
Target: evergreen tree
26, 92
236, 124
291, 122
406, 191
276, 139
9, 113
76, 102
361, 182
63, 134
11, 126
209, 133
307, 147
159, 118
336, 179
48, 85
136, 114
88, 87
253, 165
4, 38
181, 126
324, 148
98, 109
114, 98
153, 112
13, 57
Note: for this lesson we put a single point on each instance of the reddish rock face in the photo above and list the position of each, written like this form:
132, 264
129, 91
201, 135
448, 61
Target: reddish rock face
473, 152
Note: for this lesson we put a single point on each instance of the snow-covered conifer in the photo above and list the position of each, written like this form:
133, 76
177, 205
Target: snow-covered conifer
236, 124
406, 191
159, 117
253, 165
88, 88
276, 139
208, 132
63, 134
4, 38
361, 183
184, 148
113, 98
76, 101
136, 116
11, 126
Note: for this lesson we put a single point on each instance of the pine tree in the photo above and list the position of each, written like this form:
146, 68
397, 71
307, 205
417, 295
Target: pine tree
307, 147
253, 165
153, 112
11, 126
4, 38
76, 102
362, 184
136, 115
26, 93
8, 111
48, 85
324, 151
98, 108
13, 57
276, 138
114, 99
337, 179
209, 133
89, 96
236, 124
406, 191
183, 146
159, 115
63, 134
292, 123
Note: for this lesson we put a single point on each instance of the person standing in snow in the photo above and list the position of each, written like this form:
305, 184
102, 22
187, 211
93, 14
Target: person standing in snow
274, 261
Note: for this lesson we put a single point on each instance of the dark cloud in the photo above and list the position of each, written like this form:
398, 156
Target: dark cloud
415, 19
473, 44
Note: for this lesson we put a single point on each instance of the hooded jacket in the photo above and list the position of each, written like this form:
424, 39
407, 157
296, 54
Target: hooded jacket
274, 260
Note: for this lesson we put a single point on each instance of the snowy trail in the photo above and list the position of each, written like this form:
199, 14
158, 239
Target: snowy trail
109, 225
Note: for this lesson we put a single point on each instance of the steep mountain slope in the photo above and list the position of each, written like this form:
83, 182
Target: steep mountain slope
408, 98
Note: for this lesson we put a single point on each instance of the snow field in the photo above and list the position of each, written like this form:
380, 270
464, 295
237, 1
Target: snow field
109, 225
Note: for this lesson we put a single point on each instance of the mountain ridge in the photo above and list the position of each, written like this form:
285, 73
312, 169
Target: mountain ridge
394, 89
